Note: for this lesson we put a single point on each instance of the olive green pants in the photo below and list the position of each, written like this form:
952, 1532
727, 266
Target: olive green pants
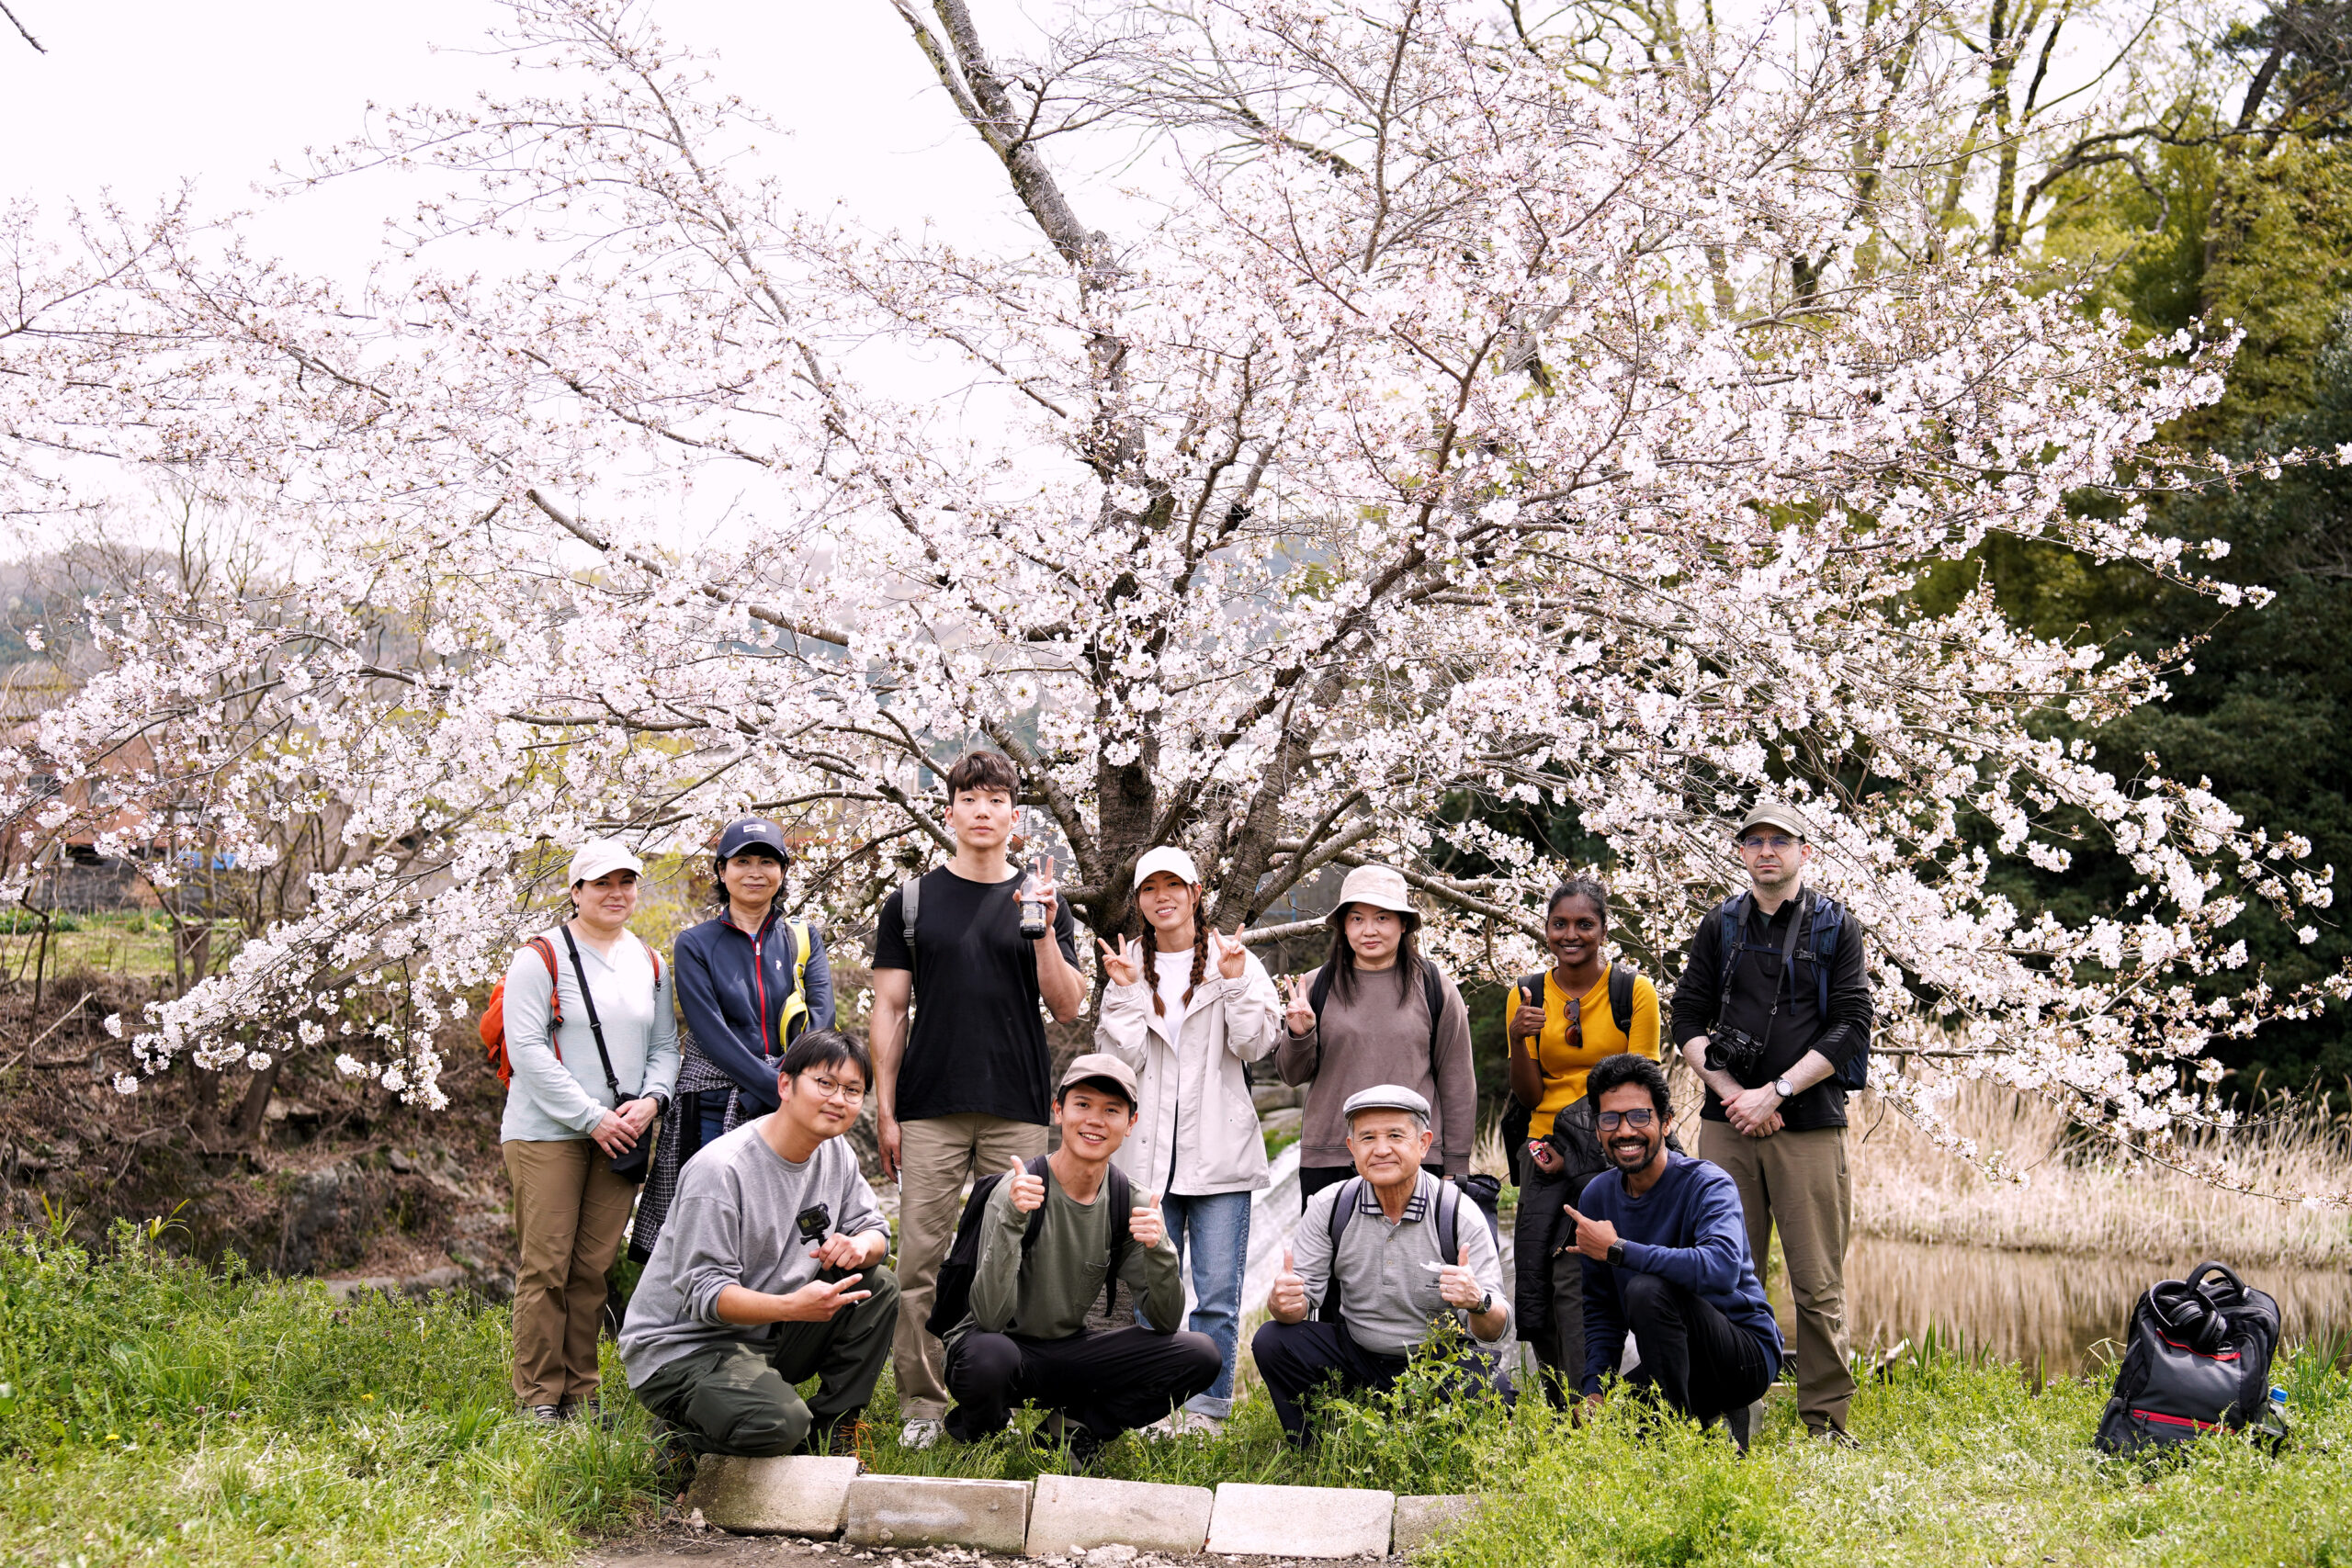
739, 1398
1798, 1183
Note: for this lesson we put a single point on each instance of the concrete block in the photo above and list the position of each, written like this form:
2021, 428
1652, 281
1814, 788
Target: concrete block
1301, 1521
803, 1495
1420, 1520
1071, 1513
929, 1510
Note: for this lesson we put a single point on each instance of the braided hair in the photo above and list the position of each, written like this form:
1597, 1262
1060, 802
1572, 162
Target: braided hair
1150, 942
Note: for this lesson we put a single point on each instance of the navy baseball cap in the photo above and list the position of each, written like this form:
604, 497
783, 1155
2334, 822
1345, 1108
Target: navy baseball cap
753, 833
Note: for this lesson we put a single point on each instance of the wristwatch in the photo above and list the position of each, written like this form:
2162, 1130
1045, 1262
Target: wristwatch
1486, 1305
1785, 1089
1616, 1255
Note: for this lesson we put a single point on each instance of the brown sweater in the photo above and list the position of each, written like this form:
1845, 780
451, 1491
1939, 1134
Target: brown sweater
1377, 1037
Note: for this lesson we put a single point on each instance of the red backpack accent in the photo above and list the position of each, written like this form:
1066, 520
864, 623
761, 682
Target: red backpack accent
493, 1028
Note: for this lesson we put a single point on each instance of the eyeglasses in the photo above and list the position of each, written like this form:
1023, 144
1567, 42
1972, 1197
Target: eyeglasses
1611, 1120
827, 1088
1767, 842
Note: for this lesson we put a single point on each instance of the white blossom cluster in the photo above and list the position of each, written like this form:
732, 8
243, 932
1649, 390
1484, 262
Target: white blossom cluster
1452, 427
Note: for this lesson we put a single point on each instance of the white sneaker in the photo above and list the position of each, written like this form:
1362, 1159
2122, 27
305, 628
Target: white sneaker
916, 1435
1186, 1424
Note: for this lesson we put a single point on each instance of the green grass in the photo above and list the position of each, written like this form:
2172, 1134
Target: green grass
153, 1410
110, 944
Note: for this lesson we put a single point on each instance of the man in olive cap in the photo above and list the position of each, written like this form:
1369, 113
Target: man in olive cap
1773, 1012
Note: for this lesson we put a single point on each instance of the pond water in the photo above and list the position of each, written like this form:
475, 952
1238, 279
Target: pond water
2052, 1311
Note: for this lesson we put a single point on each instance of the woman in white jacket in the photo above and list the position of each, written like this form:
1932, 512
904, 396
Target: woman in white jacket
1189, 1028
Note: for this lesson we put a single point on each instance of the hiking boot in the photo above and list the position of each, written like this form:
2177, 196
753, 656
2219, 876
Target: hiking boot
1739, 1421
1057, 1431
1836, 1436
917, 1436
846, 1438
548, 1415
675, 1459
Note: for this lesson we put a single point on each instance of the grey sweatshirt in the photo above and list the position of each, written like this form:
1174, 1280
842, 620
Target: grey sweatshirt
1048, 1298
1377, 1037
735, 1223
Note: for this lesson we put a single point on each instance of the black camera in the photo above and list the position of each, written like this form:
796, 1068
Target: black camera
1734, 1051
816, 1222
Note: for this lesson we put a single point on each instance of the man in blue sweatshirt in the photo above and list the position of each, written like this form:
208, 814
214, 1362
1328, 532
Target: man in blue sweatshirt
1665, 1259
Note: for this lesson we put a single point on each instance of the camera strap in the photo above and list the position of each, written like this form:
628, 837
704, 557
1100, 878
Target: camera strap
1787, 966
595, 1024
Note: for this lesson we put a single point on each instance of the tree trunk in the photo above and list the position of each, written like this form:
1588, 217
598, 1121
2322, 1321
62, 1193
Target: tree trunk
256, 1103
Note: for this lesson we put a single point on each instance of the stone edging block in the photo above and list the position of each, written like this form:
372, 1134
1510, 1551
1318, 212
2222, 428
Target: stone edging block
1071, 1513
1420, 1520
1301, 1521
929, 1510
803, 1495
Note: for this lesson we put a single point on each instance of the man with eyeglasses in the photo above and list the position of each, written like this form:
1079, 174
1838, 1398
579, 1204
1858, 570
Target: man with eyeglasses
1664, 1253
1772, 1010
769, 1272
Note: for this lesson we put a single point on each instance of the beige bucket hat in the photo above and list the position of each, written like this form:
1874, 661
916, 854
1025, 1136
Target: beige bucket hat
1382, 886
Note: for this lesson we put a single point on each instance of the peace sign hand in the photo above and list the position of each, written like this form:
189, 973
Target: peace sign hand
1298, 1008
1124, 963
1231, 956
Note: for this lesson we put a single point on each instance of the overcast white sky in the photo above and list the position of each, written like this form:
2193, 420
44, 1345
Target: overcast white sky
135, 96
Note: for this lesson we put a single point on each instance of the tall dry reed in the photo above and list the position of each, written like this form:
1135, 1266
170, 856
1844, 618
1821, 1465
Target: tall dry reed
2084, 1199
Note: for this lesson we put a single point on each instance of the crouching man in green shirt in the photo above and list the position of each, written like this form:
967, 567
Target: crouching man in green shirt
768, 1273
1050, 1235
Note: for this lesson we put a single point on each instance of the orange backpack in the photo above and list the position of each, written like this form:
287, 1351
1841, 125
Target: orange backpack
493, 1028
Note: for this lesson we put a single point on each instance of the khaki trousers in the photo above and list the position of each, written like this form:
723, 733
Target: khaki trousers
936, 1156
1799, 1182
571, 1213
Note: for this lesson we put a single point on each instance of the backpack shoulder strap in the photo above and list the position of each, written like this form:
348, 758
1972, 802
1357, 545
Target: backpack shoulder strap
1433, 992
1317, 993
1344, 1199
1824, 918
1621, 998
1122, 1194
1448, 1221
909, 904
801, 947
1731, 914
546, 950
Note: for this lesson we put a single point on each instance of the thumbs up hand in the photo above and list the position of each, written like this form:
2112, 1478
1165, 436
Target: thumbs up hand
1146, 1224
1287, 1301
1458, 1286
1028, 1191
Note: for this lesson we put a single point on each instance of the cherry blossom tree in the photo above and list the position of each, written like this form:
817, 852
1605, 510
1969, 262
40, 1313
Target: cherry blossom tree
1437, 417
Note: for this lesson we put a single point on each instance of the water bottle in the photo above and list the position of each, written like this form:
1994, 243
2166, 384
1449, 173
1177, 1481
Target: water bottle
1032, 908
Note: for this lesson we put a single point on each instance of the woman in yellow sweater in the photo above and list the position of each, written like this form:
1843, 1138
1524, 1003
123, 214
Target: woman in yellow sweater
1565, 1023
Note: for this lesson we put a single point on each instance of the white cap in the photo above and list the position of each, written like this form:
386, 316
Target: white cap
1168, 858
599, 857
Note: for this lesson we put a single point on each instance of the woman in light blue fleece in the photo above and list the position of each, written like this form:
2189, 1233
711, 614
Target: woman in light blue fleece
563, 1121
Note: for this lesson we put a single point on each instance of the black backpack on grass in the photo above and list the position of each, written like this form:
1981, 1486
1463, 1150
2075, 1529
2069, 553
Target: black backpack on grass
2196, 1360
951, 1299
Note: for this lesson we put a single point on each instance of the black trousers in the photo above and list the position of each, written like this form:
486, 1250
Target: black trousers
1296, 1357
1313, 1178
1105, 1381
1693, 1357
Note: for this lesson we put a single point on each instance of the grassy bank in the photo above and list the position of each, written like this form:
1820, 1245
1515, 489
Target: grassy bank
152, 1411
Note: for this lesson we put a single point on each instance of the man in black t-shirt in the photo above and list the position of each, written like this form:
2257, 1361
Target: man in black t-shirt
964, 1090
1775, 1119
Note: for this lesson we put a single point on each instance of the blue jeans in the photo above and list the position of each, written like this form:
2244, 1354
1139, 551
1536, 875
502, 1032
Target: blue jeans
1215, 1232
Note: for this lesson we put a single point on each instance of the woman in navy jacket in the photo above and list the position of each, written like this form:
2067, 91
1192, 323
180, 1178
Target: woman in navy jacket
735, 985
740, 1008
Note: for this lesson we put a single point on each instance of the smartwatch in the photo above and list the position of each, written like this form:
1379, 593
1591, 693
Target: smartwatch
1616, 1255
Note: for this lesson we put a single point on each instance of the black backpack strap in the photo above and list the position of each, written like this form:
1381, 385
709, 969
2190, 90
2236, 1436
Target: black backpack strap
1344, 1199
1433, 992
1824, 918
1317, 993
1036, 1226
1122, 1194
1449, 1222
1731, 918
1621, 998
